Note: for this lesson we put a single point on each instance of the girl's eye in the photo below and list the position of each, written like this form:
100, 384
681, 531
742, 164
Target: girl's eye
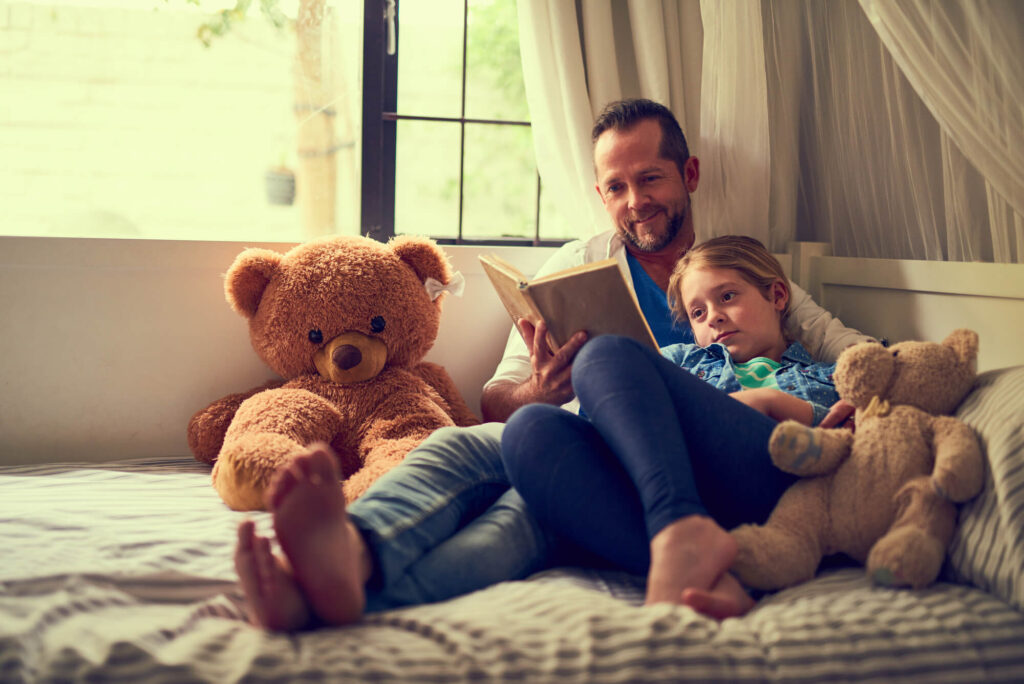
728, 296
696, 313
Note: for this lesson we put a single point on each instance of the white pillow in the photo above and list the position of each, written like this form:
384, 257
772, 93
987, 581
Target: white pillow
988, 546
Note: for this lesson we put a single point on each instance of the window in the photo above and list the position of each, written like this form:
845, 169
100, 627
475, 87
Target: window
243, 120
447, 149
117, 121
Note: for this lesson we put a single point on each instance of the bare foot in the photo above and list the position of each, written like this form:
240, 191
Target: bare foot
273, 598
329, 559
690, 553
724, 600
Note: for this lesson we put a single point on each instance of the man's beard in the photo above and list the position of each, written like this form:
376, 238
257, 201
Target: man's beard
657, 242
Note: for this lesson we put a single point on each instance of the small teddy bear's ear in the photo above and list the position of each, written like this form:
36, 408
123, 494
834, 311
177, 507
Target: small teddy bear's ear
423, 256
248, 277
964, 343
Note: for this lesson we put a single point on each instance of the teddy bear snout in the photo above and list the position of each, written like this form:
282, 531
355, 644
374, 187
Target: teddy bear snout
346, 356
351, 357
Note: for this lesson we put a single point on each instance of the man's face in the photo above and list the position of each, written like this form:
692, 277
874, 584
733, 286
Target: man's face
643, 193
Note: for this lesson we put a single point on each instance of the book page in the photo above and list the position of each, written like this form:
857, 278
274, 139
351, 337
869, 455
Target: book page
509, 282
594, 298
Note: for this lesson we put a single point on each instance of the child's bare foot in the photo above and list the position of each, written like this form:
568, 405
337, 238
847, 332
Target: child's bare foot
329, 559
726, 599
690, 553
273, 598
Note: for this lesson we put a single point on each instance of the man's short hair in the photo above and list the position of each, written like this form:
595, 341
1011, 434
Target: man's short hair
624, 114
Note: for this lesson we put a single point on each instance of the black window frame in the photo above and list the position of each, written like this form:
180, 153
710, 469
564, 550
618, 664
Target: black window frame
380, 119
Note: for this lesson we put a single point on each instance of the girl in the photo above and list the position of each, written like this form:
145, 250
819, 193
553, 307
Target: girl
665, 461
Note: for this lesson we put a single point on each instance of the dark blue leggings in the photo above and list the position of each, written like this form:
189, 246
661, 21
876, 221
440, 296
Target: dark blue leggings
660, 444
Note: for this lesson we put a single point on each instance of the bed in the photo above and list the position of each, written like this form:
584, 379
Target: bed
122, 572
115, 558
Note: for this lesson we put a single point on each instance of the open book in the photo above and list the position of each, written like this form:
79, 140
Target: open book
593, 297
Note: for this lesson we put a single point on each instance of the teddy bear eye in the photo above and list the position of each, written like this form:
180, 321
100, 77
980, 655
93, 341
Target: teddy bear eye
377, 324
315, 336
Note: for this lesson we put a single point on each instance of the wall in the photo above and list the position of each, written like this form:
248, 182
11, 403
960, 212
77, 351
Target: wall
111, 345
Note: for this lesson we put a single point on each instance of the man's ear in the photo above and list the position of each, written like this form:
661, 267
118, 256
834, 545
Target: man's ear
691, 174
597, 187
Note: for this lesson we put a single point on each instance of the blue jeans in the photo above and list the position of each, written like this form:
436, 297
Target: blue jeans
445, 522
660, 444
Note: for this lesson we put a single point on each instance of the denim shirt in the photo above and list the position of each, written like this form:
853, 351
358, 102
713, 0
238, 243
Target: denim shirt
800, 375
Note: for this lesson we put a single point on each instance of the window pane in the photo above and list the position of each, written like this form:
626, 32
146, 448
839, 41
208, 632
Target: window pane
494, 72
117, 122
500, 186
427, 178
430, 58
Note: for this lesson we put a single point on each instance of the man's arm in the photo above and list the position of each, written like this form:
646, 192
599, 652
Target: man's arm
549, 382
821, 333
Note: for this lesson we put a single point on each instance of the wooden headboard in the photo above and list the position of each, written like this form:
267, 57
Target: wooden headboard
901, 299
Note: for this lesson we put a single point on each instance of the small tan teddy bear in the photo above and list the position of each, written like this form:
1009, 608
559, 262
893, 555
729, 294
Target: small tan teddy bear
885, 494
346, 322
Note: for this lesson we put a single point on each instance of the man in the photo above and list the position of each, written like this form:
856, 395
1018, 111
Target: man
645, 176
446, 521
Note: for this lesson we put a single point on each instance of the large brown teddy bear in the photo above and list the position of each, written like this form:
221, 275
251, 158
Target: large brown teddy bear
346, 322
885, 494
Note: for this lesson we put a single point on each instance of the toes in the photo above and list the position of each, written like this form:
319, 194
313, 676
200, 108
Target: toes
322, 464
264, 563
246, 532
282, 484
706, 603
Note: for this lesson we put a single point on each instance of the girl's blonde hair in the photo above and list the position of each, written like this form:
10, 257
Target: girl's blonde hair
738, 252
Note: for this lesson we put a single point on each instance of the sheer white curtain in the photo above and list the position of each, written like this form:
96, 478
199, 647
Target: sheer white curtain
870, 180
556, 43
890, 130
556, 92
966, 62
654, 49
911, 126
734, 145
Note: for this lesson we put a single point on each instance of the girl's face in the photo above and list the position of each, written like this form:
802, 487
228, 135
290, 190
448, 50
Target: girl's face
726, 308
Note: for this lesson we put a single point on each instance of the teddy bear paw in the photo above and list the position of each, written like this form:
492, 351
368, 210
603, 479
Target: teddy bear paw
907, 557
794, 448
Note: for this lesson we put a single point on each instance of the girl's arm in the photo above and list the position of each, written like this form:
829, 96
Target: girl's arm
776, 404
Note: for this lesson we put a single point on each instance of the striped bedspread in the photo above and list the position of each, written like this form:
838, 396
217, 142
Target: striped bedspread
123, 572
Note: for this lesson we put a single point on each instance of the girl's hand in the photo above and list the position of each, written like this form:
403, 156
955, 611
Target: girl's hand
839, 415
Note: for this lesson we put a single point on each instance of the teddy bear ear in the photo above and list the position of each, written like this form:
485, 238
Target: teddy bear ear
964, 343
423, 256
248, 277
